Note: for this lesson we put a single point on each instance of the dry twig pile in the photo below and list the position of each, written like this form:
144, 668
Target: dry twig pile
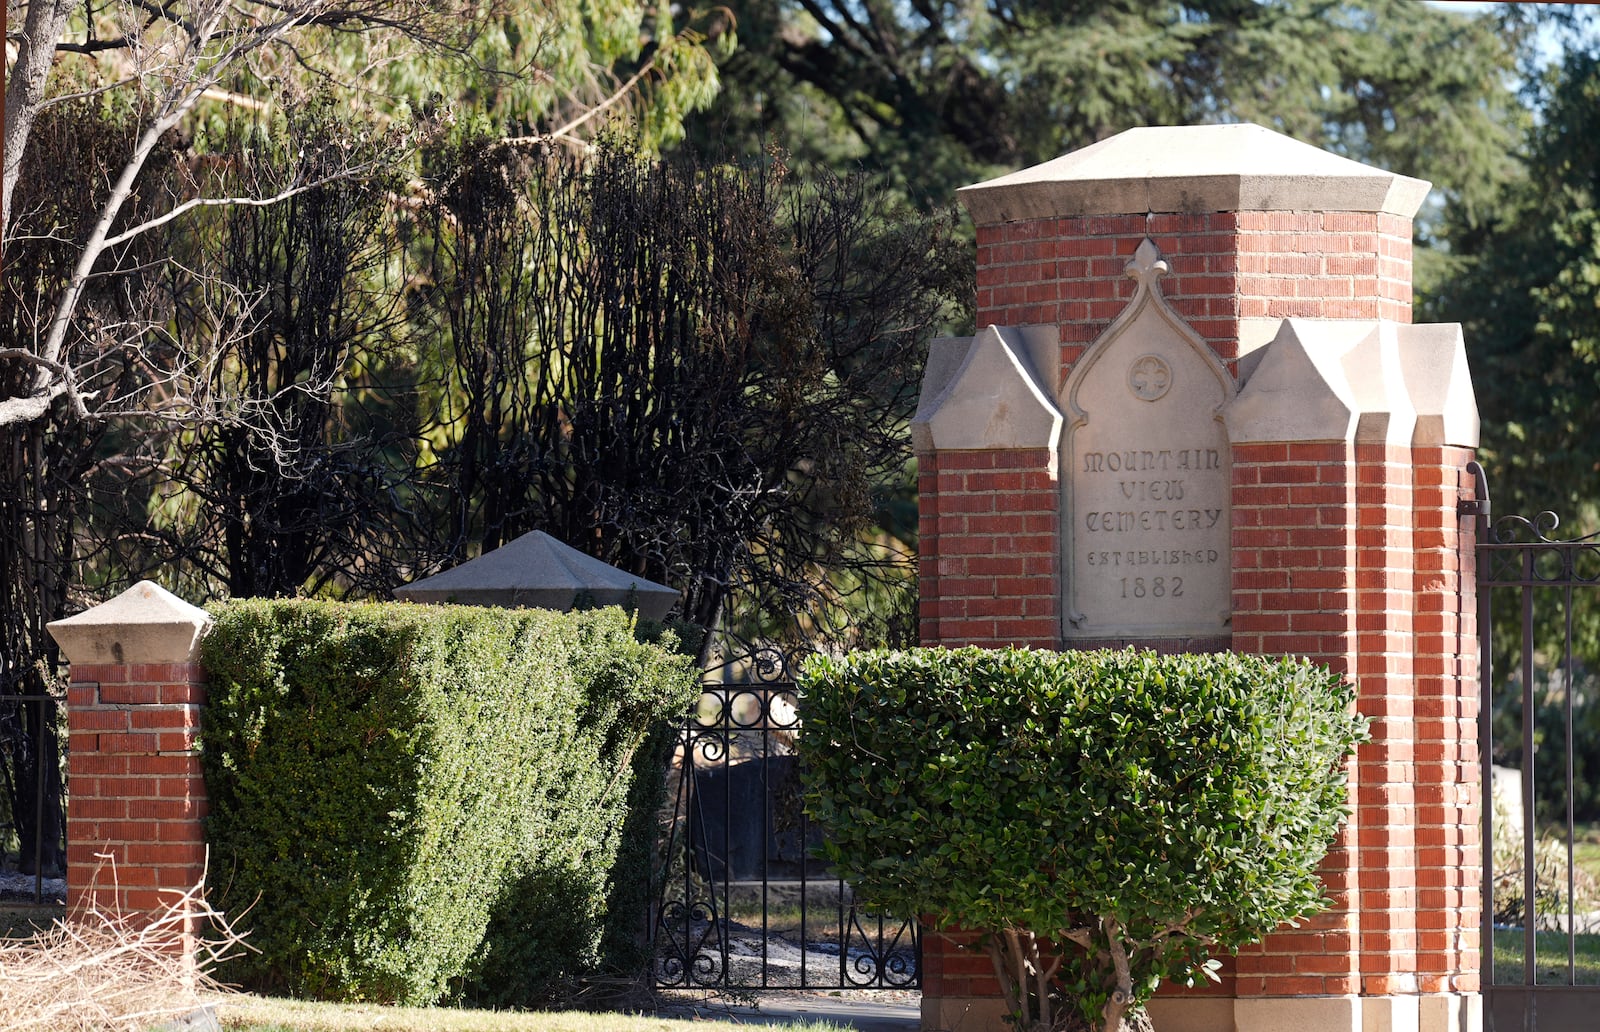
99, 972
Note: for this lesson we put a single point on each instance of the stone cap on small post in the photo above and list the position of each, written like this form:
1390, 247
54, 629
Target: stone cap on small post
138, 799
145, 624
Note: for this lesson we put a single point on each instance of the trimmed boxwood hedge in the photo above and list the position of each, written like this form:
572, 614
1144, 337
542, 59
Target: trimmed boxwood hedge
417, 802
1137, 811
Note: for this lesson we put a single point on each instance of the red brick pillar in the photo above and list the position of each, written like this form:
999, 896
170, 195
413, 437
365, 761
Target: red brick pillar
1236, 257
1448, 765
994, 582
1295, 592
137, 797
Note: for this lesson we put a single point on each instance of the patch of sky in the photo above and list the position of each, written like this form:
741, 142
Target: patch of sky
1551, 38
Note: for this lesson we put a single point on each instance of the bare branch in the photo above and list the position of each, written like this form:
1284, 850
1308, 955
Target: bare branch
180, 99
1082, 936
237, 100
588, 116
1122, 997
64, 98
25, 88
32, 407
183, 209
22, 355
94, 46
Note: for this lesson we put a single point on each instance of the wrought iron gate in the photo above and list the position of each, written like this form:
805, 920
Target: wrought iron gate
30, 800
746, 901
1533, 893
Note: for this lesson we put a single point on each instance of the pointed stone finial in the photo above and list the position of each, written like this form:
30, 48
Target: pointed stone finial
145, 624
994, 399
1147, 265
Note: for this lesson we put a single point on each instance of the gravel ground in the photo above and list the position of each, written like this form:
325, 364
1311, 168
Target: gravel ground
18, 888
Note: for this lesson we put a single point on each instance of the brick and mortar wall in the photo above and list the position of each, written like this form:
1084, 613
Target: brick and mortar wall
1448, 767
989, 527
1070, 273
1225, 267
138, 797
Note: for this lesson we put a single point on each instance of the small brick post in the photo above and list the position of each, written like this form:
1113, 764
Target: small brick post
137, 797
1347, 435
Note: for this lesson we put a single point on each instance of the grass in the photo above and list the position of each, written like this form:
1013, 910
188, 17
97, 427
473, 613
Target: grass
1550, 958
1586, 848
260, 1014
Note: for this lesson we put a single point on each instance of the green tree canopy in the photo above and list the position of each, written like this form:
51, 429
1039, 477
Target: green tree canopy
117, 142
1525, 286
938, 94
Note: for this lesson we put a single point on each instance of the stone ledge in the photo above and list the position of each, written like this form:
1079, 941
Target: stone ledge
986, 393
1238, 167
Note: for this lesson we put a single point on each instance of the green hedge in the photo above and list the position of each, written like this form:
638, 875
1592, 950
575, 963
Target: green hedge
413, 802
1157, 806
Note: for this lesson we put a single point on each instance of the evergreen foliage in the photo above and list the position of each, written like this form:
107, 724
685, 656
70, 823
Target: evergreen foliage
939, 95
1526, 288
414, 802
1523, 279
1138, 811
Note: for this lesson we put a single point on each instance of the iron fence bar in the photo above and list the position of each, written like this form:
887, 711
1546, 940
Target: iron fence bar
685, 790
778, 779
1479, 512
726, 725
844, 930
1519, 552
1529, 765
1572, 923
805, 882
685, 800
38, 802
766, 839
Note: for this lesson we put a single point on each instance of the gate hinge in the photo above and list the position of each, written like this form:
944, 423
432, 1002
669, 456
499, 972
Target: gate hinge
1472, 507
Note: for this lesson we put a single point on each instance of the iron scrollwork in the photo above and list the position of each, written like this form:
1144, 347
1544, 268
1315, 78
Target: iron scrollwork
746, 902
880, 958
1525, 550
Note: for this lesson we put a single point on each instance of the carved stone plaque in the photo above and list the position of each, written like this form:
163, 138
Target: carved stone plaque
1146, 478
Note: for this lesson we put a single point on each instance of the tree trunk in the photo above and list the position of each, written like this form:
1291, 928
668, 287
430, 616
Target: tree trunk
25, 86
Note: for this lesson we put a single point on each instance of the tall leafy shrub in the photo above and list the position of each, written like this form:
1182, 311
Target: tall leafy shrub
411, 801
1136, 811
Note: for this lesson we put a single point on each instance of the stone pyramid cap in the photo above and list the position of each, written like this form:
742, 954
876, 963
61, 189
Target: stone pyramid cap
1194, 169
537, 571
1355, 380
145, 624
986, 392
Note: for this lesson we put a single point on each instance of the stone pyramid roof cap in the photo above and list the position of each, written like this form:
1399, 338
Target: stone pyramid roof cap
1195, 169
538, 571
145, 624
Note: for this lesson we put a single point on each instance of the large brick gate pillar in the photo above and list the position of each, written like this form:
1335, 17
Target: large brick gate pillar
136, 800
1198, 418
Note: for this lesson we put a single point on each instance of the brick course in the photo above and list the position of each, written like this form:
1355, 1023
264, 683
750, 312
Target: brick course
138, 797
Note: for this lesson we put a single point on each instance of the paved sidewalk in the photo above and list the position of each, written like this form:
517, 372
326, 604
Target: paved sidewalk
860, 1012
